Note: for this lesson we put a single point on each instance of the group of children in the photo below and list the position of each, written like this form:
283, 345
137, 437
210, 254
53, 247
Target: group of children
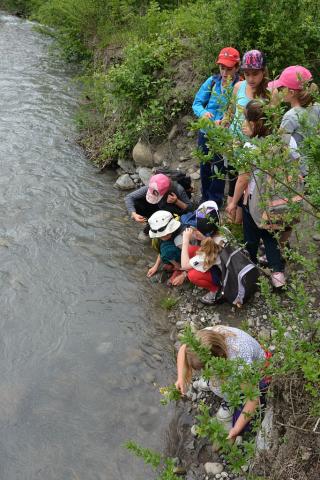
189, 242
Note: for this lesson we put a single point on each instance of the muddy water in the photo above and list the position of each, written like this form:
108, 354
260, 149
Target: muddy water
81, 340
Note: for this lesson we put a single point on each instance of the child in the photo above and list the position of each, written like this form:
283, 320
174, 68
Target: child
254, 127
210, 102
255, 85
160, 194
230, 343
202, 262
168, 230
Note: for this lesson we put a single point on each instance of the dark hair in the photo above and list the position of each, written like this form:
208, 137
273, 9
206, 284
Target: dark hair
254, 113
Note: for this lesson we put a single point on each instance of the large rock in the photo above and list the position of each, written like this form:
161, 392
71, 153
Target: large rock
127, 166
213, 467
142, 155
144, 174
124, 182
162, 155
264, 436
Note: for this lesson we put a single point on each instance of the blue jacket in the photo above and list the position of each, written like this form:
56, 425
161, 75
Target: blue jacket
209, 98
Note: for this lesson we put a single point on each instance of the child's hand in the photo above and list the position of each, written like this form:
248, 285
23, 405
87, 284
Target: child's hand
231, 208
138, 218
232, 435
152, 271
207, 115
172, 198
187, 234
181, 386
178, 280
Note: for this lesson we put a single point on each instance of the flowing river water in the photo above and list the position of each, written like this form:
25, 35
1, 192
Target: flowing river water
82, 342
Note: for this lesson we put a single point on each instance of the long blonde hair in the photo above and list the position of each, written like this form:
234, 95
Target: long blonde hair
211, 250
216, 343
306, 96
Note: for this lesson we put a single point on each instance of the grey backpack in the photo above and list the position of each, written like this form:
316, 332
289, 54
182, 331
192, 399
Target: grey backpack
239, 275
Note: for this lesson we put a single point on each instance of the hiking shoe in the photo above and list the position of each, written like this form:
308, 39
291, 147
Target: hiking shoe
263, 261
211, 298
278, 279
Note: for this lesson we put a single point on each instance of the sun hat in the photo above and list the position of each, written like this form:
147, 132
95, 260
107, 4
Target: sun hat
228, 57
158, 186
253, 60
162, 223
207, 217
292, 77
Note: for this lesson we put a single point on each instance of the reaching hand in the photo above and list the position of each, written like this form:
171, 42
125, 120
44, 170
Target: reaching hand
172, 198
187, 234
138, 218
178, 280
181, 386
207, 115
230, 208
152, 271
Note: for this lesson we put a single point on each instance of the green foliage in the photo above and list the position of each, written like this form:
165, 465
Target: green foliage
167, 303
155, 460
170, 394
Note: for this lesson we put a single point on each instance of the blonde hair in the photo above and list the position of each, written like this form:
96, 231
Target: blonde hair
216, 343
211, 250
306, 96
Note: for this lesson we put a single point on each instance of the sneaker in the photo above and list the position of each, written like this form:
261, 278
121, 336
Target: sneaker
278, 279
263, 260
211, 298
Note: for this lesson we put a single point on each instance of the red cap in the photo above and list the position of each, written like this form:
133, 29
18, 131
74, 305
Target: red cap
228, 57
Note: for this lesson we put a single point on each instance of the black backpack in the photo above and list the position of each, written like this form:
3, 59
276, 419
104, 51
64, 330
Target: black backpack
177, 176
239, 275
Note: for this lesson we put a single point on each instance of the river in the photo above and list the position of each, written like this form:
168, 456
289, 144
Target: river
82, 342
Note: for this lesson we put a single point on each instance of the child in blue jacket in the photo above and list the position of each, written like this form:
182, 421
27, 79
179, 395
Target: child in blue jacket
209, 103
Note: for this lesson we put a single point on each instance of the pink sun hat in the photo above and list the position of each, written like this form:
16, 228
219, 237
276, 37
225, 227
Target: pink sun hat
292, 77
158, 186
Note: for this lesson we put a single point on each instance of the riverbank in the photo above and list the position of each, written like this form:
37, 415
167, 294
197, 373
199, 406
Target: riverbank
140, 85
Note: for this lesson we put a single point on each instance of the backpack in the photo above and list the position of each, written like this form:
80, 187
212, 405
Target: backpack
177, 176
239, 275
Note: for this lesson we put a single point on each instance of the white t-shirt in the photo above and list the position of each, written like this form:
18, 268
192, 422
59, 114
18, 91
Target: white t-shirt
197, 262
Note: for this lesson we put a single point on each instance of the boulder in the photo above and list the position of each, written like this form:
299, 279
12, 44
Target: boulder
161, 156
195, 175
264, 436
144, 174
173, 132
142, 155
213, 467
124, 182
127, 166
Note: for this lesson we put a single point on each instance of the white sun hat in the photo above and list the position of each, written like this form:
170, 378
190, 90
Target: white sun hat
162, 223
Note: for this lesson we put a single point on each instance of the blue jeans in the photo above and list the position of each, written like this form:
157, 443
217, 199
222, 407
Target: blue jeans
211, 186
252, 236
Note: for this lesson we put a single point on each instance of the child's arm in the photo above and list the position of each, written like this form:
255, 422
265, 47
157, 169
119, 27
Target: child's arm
183, 370
185, 259
241, 185
155, 267
244, 418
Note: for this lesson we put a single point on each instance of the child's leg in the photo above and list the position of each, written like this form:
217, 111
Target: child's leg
251, 233
202, 280
273, 253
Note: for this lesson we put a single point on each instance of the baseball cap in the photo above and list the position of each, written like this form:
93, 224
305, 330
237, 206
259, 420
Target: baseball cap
207, 217
228, 57
292, 77
253, 60
158, 186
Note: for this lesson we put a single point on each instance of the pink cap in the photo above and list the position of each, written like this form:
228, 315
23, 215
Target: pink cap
158, 186
292, 77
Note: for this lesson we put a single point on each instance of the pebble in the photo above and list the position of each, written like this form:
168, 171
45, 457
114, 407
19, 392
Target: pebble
224, 475
194, 430
213, 468
316, 237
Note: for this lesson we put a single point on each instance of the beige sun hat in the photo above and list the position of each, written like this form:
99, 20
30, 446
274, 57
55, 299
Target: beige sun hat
162, 223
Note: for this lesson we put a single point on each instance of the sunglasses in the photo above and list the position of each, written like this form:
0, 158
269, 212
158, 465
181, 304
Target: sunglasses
161, 229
